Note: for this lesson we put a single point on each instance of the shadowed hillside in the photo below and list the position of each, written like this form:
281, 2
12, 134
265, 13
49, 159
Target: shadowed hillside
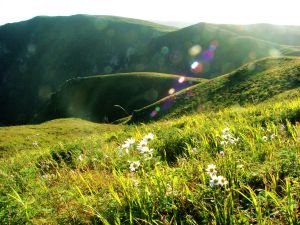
110, 97
209, 50
252, 83
38, 55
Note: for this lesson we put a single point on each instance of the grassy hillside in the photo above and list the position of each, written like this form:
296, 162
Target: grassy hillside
250, 84
39, 55
16, 139
110, 97
215, 49
94, 180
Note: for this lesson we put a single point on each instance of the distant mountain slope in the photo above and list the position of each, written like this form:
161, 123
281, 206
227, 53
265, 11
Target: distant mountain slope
109, 97
284, 35
38, 55
215, 49
252, 83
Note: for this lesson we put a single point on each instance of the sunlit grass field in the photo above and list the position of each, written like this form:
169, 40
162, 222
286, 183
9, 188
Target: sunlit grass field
234, 166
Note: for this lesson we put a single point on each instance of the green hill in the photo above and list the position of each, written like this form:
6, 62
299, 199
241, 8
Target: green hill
216, 48
252, 83
39, 55
110, 97
26, 138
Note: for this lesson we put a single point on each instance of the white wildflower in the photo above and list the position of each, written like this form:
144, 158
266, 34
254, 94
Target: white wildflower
225, 130
265, 138
273, 136
222, 153
211, 169
214, 180
149, 137
130, 141
222, 180
35, 143
144, 149
224, 142
127, 144
142, 144
134, 166
136, 183
80, 158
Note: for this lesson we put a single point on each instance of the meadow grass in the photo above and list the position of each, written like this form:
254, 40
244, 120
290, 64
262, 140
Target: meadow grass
109, 176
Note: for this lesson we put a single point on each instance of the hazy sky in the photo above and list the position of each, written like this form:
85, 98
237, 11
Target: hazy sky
215, 11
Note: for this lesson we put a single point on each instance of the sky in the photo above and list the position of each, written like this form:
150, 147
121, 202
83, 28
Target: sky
285, 12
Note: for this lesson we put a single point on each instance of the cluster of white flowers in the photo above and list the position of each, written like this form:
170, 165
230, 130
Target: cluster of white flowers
142, 147
269, 136
48, 176
134, 166
127, 144
214, 179
35, 143
227, 137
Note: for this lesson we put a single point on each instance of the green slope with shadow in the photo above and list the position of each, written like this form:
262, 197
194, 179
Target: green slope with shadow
39, 55
250, 84
109, 97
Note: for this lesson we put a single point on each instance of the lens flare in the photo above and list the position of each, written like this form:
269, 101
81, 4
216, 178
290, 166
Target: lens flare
164, 50
197, 67
181, 80
153, 113
171, 91
194, 65
195, 50
274, 52
208, 55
